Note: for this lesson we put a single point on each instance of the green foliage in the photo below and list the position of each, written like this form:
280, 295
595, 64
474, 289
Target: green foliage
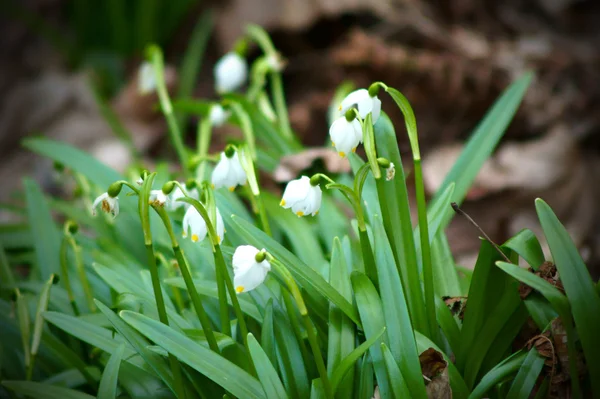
348, 305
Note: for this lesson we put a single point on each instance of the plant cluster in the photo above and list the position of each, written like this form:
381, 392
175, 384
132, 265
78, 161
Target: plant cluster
209, 286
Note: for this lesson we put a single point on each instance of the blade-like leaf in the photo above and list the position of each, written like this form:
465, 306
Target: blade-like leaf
267, 375
110, 376
220, 370
528, 374
397, 381
502, 372
44, 391
526, 244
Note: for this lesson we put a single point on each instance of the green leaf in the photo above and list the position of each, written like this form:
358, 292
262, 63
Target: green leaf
220, 370
502, 372
526, 244
348, 362
528, 374
44, 391
397, 381
447, 324
267, 375
192, 58
366, 383
24, 325
268, 342
140, 345
308, 278
341, 335
371, 315
548, 291
580, 290
38, 323
46, 237
110, 376
446, 281
395, 310
484, 139
395, 212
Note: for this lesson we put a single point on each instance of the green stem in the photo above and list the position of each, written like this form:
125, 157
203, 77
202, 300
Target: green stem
220, 274
171, 273
367, 253
262, 213
144, 209
203, 139
82, 274
312, 337
189, 283
280, 105
426, 253
64, 268
167, 108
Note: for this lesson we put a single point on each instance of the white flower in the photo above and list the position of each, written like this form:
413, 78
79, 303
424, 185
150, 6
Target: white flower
218, 115
139, 181
230, 72
275, 62
158, 198
107, 203
194, 224
228, 172
173, 204
364, 102
146, 78
247, 272
345, 136
390, 172
302, 197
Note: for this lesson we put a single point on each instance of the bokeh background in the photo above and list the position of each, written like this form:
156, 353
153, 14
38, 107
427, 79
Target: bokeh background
68, 71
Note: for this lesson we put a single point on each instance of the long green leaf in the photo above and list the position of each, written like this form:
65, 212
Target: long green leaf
526, 244
484, 139
110, 376
267, 375
395, 310
46, 236
39, 390
498, 374
397, 381
371, 314
220, 370
341, 335
348, 362
528, 374
580, 290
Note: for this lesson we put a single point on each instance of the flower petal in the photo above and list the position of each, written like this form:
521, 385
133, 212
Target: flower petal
230, 72
295, 191
243, 258
353, 98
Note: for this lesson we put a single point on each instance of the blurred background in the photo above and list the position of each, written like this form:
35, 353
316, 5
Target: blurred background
68, 70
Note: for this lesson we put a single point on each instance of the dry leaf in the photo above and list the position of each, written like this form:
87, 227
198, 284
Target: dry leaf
435, 373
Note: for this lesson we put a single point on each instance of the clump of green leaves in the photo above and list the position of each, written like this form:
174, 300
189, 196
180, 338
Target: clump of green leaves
348, 306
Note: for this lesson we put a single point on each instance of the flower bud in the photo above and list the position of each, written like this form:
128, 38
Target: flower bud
168, 187
114, 189
383, 162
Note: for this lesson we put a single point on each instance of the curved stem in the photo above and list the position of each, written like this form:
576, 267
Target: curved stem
203, 140
189, 283
64, 268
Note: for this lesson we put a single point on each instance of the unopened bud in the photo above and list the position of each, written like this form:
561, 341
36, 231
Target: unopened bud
168, 187
114, 189
374, 89
260, 256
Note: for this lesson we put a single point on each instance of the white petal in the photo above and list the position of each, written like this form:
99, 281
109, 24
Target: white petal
243, 258
345, 135
194, 225
230, 72
250, 278
353, 99
220, 227
220, 174
218, 115
376, 111
314, 201
239, 174
157, 197
97, 201
146, 78
295, 191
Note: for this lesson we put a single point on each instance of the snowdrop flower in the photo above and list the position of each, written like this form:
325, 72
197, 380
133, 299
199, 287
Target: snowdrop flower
364, 102
173, 204
218, 115
228, 172
230, 72
157, 198
107, 203
250, 268
194, 224
302, 196
146, 78
345, 134
390, 172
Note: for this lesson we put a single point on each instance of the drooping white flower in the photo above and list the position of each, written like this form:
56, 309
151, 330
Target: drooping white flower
364, 102
230, 72
390, 172
218, 115
146, 78
248, 273
345, 136
302, 197
107, 203
173, 204
228, 172
195, 226
158, 198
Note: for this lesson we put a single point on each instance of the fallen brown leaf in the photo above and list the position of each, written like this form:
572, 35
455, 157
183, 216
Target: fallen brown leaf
435, 372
